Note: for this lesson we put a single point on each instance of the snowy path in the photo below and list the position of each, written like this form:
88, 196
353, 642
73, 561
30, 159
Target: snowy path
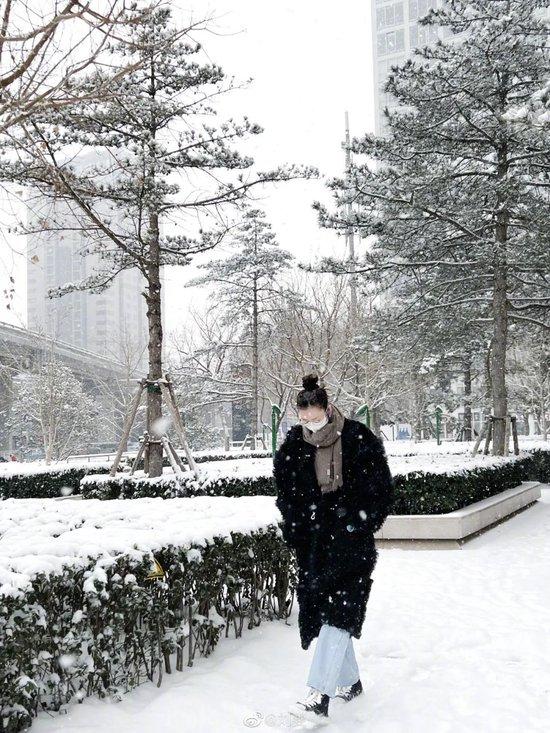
454, 641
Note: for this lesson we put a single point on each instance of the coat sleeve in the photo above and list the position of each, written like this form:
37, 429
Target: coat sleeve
296, 520
370, 495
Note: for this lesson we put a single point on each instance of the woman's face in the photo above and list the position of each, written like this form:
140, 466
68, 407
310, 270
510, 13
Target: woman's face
312, 413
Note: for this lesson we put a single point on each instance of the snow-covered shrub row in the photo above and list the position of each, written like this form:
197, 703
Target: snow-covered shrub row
169, 486
239, 476
37, 480
539, 465
207, 456
445, 483
409, 448
423, 484
79, 617
439, 493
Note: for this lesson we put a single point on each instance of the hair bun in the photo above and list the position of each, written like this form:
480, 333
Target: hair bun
310, 382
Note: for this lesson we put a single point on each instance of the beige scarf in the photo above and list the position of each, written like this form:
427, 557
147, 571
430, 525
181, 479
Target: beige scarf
328, 457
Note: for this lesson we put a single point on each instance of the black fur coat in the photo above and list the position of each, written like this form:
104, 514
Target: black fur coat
332, 534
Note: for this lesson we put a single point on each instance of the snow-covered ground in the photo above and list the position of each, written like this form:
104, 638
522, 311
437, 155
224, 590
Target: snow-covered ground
454, 641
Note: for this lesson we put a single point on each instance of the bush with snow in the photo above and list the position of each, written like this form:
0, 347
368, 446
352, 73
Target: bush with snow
424, 484
79, 616
38, 480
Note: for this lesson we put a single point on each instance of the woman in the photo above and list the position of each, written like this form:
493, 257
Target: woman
334, 490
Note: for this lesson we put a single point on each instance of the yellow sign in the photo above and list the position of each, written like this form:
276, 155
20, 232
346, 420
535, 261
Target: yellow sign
157, 570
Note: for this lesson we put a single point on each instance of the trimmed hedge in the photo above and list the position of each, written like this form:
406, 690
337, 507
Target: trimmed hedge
47, 483
206, 457
415, 492
105, 628
425, 493
170, 487
538, 468
431, 493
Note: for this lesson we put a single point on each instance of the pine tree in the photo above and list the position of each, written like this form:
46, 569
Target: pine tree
157, 164
457, 193
249, 284
536, 110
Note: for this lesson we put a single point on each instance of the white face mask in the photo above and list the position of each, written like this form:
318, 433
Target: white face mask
314, 426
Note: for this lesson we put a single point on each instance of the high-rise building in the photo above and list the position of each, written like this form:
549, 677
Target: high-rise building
396, 33
112, 323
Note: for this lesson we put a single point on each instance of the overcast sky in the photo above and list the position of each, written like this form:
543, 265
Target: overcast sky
310, 62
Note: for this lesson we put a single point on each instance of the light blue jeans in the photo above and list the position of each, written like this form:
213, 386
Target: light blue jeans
333, 661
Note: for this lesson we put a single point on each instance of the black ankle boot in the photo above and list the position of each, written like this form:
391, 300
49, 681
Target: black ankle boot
316, 702
348, 692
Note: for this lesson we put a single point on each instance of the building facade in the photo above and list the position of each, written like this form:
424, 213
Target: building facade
111, 324
396, 33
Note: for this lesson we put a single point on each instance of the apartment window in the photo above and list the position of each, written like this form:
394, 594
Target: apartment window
389, 15
390, 42
422, 35
418, 8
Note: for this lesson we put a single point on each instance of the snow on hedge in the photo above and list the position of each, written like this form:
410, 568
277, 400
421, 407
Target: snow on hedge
41, 535
16, 468
430, 462
253, 467
450, 464
430, 447
210, 471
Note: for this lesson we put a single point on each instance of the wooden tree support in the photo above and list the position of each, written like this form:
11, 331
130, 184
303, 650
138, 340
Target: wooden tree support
243, 444
253, 442
487, 433
169, 396
461, 433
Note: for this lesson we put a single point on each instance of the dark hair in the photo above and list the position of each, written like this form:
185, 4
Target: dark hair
312, 394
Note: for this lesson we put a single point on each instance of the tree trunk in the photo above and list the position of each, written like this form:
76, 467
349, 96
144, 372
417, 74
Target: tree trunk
375, 420
500, 314
51, 416
467, 375
526, 425
487, 396
498, 362
226, 435
418, 403
47, 438
154, 320
543, 368
254, 421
